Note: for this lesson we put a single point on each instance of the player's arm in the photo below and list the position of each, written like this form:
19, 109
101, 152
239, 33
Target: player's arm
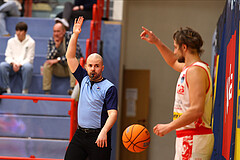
71, 51
166, 53
198, 84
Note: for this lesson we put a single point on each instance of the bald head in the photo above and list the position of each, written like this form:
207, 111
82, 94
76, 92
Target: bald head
95, 67
59, 26
58, 32
95, 56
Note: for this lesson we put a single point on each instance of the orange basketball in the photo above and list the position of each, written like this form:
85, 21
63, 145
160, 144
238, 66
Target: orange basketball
136, 138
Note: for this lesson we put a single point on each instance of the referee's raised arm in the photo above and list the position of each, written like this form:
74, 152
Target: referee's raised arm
71, 51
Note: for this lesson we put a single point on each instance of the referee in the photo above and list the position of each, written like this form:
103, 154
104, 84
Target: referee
97, 108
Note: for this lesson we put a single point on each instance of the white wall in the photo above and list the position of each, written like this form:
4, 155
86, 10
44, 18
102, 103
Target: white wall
117, 10
163, 17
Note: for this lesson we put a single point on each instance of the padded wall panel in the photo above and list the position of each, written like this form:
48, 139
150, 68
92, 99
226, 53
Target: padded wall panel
111, 37
34, 126
40, 148
51, 108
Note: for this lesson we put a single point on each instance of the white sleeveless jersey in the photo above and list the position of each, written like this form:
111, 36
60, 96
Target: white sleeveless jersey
182, 102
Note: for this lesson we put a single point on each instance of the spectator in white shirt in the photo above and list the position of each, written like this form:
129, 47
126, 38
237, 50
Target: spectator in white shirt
19, 54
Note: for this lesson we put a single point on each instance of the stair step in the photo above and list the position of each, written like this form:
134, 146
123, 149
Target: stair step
60, 85
42, 27
42, 107
40, 148
41, 45
34, 126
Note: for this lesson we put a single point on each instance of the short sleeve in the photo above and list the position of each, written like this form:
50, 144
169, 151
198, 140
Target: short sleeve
111, 98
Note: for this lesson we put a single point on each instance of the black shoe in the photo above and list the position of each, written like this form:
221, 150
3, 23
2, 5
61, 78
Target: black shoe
2, 90
70, 91
46, 92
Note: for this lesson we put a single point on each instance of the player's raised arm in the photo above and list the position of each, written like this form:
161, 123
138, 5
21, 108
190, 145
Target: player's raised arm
71, 51
166, 53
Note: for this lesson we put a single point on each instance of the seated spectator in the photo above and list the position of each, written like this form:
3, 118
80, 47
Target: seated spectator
56, 63
72, 11
19, 54
8, 8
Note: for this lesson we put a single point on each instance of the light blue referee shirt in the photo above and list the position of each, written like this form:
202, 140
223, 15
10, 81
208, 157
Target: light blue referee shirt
96, 98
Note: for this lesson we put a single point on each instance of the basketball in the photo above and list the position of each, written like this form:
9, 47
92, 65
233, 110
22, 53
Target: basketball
136, 138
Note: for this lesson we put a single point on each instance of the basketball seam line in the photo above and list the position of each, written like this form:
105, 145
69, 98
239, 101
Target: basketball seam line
135, 137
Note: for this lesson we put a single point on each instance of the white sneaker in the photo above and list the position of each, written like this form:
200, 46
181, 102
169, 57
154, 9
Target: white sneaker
8, 90
63, 21
25, 91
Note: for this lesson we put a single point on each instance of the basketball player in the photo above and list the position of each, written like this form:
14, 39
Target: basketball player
193, 98
97, 109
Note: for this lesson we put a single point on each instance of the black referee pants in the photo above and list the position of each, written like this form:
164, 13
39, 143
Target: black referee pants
83, 145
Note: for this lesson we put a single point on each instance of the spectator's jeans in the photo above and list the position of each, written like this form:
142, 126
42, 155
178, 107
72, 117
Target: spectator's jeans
3, 30
57, 70
6, 70
10, 8
7, 9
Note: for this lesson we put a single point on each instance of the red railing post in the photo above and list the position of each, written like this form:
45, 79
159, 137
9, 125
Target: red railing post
107, 9
95, 31
82, 62
28, 8
88, 48
94, 27
73, 119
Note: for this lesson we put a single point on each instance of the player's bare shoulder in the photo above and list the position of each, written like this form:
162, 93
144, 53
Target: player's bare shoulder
196, 71
197, 75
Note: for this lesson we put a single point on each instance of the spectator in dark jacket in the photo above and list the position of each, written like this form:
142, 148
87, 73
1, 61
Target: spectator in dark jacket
72, 11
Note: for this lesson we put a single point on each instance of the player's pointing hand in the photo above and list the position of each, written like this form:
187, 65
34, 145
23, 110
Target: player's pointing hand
148, 36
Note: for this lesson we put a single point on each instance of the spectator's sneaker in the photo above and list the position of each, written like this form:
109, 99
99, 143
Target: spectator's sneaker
8, 90
63, 21
25, 91
6, 35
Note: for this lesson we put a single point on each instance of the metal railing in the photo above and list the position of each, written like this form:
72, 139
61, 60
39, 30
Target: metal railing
25, 158
72, 112
91, 47
28, 8
95, 28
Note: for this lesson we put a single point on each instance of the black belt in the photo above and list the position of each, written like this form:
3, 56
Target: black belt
89, 130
